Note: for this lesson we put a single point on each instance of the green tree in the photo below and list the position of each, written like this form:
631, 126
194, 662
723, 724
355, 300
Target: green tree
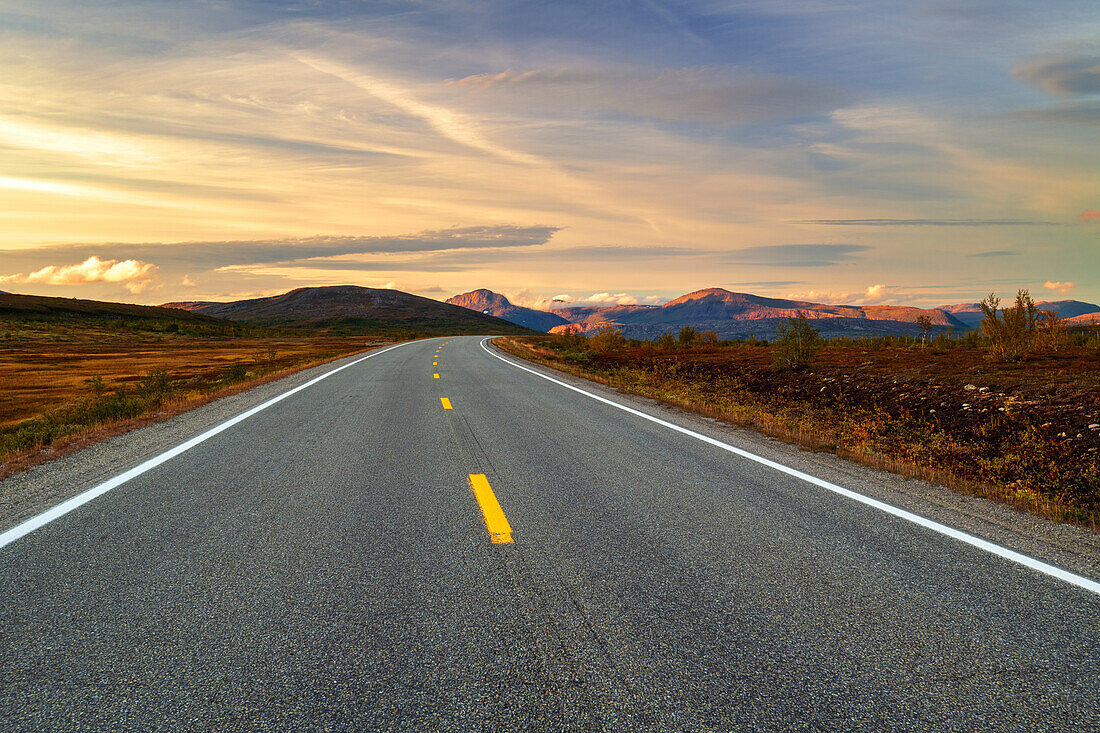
687, 336
666, 341
796, 343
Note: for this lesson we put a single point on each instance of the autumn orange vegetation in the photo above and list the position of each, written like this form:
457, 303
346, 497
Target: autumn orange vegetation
1025, 432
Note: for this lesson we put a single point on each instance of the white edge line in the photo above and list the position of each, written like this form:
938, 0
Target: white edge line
1064, 575
83, 498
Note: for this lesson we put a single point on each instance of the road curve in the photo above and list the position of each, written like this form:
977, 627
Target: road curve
387, 549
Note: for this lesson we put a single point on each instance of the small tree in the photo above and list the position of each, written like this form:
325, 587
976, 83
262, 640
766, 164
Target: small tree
1012, 331
666, 341
796, 343
1052, 331
606, 338
687, 336
708, 338
925, 323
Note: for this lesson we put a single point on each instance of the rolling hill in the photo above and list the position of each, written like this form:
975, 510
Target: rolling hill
41, 307
346, 309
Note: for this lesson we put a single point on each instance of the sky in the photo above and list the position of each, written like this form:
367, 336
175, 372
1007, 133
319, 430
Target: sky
860, 151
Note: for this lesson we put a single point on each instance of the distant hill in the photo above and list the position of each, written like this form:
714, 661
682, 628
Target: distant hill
354, 309
495, 304
45, 307
1085, 319
729, 314
971, 313
734, 315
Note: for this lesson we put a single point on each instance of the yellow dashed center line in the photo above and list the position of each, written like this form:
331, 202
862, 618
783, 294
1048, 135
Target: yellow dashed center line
435, 376
499, 529
446, 403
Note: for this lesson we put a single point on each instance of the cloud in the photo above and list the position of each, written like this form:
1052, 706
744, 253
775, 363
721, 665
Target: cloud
795, 255
218, 254
1059, 287
924, 222
132, 273
720, 96
766, 283
875, 292
997, 253
1063, 75
1092, 216
1083, 112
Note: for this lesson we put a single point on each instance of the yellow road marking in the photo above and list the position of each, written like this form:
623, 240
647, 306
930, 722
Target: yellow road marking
435, 376
435, 363
446, 403
499, 529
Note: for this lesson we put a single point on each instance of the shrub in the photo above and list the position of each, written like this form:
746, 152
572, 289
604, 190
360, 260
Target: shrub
796, 343
1011, 335
606, 338
709, 338
666, 341
1052, 331
156, 385
687, 336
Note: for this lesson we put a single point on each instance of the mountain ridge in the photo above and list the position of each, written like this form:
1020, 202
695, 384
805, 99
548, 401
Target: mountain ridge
736, 315
353, 309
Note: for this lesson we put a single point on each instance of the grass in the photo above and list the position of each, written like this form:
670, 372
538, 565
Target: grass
65, 384
1017, 433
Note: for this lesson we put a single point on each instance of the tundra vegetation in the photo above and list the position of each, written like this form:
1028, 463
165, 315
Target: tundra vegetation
65, 383
1012, 415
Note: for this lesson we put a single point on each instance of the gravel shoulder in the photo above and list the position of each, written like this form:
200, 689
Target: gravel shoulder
30, 492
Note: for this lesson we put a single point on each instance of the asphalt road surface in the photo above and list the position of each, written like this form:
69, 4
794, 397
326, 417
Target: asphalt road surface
489, 550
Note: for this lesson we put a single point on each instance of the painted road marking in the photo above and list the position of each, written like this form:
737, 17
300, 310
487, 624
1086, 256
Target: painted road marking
81, 499
495, 521
435, 376
1038, 565
435, 363
446, 403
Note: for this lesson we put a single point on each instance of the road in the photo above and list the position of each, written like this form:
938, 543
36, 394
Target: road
325, 564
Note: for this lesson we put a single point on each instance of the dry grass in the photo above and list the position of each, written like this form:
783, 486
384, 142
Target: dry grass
63, 389
876, 408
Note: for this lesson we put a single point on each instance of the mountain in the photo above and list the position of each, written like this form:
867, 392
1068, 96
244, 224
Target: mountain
594, 316
971, 313
353, 309
41, 307
735, 315
495, 304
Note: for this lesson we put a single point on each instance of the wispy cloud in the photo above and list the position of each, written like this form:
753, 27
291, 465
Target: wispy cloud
1065, 75
997, 253
795, 255
214, 254
713, 96
925, 222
